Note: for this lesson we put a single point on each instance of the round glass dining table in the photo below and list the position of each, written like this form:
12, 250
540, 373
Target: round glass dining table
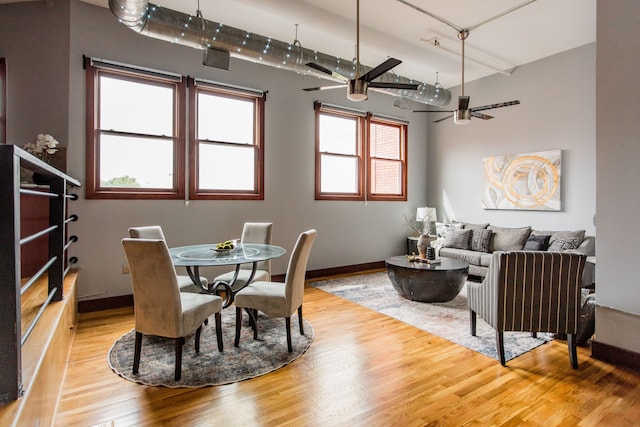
192, 257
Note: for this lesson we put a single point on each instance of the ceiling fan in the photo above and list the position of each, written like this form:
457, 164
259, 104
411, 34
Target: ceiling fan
357, 87
462, 115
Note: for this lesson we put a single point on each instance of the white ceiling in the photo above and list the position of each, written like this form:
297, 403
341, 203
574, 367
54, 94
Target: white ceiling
391, 28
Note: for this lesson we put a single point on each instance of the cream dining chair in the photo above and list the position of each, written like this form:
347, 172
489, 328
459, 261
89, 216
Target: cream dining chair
159, 307
252, 232
276, 300
155, 232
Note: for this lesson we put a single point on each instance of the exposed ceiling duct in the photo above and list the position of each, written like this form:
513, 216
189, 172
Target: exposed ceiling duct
176, 27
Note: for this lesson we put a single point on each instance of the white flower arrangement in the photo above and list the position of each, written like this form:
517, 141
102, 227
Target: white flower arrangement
43, 148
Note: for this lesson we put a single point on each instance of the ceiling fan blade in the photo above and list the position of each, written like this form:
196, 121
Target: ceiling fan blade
463, 102
324, 70
311, 89
443, 119
481, 116
394, 85
380, 69
498, 105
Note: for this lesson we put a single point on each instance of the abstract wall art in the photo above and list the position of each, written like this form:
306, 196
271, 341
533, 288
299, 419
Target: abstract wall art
529, 181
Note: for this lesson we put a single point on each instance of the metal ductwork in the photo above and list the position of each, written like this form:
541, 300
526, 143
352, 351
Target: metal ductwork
177, 27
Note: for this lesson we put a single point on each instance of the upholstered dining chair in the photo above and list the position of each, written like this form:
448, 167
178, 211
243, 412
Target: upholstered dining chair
159, 307
155, 232
252, 232
276, 300
530, 291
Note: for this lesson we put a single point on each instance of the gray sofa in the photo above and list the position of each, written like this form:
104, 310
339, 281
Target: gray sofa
474, 243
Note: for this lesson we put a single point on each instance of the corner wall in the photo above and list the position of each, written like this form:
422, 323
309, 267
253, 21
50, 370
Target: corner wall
557, 111
618, 151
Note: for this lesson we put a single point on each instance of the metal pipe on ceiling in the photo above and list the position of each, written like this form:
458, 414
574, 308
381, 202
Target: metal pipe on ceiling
176, 27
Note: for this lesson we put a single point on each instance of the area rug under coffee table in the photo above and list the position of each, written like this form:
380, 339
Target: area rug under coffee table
448, 320
210, 367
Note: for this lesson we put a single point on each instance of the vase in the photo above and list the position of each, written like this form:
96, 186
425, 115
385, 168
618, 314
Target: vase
423, 244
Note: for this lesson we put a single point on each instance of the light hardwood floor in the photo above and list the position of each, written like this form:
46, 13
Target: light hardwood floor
363, 369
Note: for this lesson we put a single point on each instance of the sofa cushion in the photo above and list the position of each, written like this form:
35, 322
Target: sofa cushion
485, 259
480, 239
469, 226
508, 239
537, 243
576, 234
441, 227
561, 245
472, 257
459, 239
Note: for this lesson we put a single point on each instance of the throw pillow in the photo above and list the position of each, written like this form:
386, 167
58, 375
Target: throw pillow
469, 226
561, 245
537, 243
457, 238
508, 239
480, 239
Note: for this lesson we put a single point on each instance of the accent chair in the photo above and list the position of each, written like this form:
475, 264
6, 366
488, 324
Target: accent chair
532, 291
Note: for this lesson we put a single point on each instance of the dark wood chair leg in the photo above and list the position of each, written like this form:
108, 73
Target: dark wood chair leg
300, 322
136, 352
534, 335
500, 346
198, 332
472, 322
573, 353
179, 343
287, 322
238, 325
218, 317
253, 313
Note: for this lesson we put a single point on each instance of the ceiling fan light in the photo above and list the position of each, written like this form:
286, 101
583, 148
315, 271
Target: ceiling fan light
357, 90
462, 117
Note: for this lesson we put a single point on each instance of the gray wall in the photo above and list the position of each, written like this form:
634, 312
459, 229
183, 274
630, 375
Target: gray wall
348, 232
557, 111
618, 151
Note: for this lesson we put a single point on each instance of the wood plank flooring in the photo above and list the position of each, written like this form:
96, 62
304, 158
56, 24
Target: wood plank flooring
363, 369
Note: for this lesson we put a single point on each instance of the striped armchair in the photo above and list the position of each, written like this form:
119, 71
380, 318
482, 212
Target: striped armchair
530, 291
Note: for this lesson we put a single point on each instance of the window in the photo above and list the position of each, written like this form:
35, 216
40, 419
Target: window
227, 143
355, 151
135, 133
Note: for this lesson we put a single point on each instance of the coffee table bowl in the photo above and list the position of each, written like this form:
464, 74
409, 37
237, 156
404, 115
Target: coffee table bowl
418, 281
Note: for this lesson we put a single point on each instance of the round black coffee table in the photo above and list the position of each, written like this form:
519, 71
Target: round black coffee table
419, 281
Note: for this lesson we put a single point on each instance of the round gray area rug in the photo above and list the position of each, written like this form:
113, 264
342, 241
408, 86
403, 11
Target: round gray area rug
210, 367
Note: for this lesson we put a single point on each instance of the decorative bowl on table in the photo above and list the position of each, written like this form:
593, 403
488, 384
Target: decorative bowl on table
224, 247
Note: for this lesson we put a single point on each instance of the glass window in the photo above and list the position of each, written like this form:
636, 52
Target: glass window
227, 143
349, 142
135, 140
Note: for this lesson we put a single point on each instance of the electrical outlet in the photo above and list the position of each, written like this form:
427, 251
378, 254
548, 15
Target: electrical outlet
125, 268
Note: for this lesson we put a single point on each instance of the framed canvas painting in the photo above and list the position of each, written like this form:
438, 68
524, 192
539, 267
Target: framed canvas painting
529, 181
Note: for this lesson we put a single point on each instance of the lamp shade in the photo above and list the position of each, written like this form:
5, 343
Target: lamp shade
426, 214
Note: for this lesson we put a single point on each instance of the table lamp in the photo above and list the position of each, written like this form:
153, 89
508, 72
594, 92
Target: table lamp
427, 215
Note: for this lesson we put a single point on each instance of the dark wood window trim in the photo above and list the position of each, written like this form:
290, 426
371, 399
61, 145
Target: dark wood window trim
3, 101
258, 99
93, 188
364, 120
402, 161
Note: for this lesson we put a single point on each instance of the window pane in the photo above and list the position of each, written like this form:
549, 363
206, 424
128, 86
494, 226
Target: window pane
143, 108
225, 120
339, 174
386, 177
384, 141
338, 135
136, 162
226, 167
